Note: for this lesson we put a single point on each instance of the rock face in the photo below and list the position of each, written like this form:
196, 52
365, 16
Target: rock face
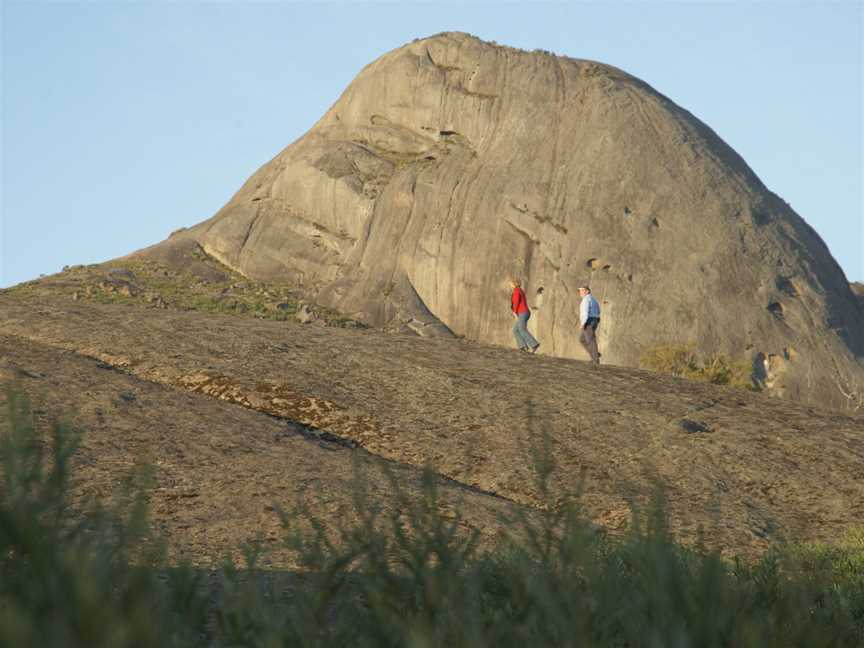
451, 164
858, 290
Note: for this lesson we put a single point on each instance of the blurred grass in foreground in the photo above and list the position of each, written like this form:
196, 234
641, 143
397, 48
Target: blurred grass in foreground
412, 577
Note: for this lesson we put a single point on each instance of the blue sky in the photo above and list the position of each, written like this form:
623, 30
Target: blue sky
123, 121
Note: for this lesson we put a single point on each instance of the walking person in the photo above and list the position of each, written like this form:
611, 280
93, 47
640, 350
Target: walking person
519, 305
589, 319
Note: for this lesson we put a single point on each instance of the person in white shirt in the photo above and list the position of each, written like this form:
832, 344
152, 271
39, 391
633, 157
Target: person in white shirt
589, 319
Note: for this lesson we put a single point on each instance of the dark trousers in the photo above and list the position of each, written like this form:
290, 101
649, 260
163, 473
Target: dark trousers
588, 338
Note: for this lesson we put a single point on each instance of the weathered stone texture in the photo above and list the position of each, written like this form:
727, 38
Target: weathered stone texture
450, 164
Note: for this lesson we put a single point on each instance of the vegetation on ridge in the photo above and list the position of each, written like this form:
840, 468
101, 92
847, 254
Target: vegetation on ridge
203, 285
685, 362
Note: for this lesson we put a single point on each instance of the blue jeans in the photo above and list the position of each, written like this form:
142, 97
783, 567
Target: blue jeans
520, 332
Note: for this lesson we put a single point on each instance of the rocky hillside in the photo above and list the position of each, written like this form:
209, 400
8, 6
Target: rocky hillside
239, 410
255, 360
858, 290
451, 164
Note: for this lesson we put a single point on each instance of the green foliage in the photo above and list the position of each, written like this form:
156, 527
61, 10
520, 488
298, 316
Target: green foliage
685, 362
184, 291
555, 580
148, 283
840, 562
70, 580
408, 573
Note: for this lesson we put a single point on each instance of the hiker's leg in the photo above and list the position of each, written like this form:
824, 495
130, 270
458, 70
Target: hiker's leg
584, 341
596, 344
526, 336
586, 338
591, 343
517, 333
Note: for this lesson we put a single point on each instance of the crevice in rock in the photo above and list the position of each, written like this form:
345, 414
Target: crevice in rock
444, 68
521, 231
379, 120
776, 309
787, 286
249, 231
471, 93
540, 218
452, 137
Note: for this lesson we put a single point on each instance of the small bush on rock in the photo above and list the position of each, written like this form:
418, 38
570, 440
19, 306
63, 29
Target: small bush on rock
685, 362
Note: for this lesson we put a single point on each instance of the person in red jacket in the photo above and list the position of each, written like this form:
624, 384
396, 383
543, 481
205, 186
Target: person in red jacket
519, 305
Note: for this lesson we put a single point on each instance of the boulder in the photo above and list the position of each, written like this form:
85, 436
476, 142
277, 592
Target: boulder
451, 164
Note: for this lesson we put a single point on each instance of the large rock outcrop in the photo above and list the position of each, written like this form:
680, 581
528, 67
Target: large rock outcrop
450, 164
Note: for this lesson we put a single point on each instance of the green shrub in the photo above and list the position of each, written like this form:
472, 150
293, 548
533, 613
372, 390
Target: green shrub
408, 574
70, 580
146, 282
555, 580
839, 562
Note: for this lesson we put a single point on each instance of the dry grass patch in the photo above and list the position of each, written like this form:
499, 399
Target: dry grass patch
685, 362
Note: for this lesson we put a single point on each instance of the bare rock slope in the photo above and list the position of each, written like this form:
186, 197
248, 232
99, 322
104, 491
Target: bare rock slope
237, 414
450, 164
